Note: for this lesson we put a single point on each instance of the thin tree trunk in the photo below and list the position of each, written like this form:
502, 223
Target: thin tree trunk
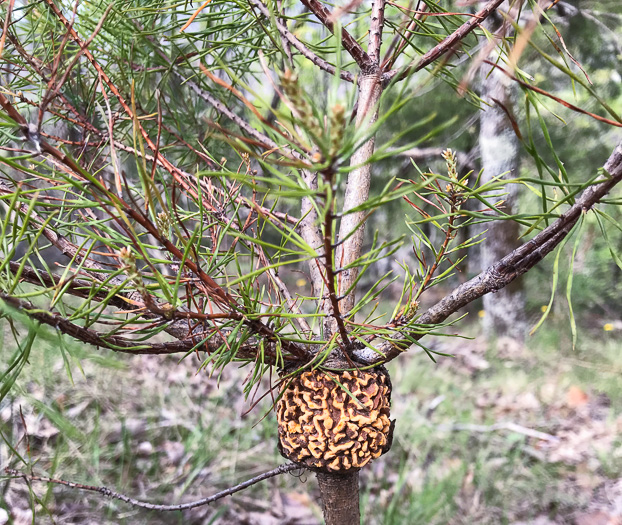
499, 147
357, 190
351, 230
340, 492
340, 498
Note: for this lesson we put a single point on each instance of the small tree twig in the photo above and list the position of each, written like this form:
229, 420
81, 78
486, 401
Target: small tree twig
300, 47
92, 337
329, 266
509, 426
553, 97
55, 86
376, 26
350, 44
444, 46
104, 491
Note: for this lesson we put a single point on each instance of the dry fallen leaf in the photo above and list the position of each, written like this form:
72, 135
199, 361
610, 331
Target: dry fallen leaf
576, 397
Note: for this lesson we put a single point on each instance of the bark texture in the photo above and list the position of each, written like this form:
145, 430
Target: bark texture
340, 498
357, 190
499, 147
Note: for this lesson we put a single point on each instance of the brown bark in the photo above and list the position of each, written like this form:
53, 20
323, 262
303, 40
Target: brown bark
351, 230
340, 498
357, 190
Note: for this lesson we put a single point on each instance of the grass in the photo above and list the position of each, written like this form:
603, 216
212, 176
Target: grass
152, 428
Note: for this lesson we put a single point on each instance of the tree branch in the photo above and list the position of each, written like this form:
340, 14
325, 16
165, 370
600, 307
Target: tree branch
375, 33
444, 46
179, 329
104, 491
300, 47
329, 266
507, 269
351, 230
160, 159
352, 227
349, 43
310, 232
92, 337
553, 97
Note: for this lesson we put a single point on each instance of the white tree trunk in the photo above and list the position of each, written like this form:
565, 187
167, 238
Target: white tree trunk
499, 147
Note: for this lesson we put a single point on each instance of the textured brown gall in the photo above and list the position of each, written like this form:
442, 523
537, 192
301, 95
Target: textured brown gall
324, 427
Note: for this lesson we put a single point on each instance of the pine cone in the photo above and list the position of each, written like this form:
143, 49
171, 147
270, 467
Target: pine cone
323, 428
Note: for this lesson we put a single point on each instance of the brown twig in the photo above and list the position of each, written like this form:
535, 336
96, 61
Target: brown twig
92, 337
213, 289
160, 159
55, 86
300, 47
104, 491
70, 250
553, 97
444, 46
348, 41
5, 29
401, 40
329, 266
454, 197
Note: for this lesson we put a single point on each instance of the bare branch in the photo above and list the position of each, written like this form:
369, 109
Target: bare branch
300, 47
444, 46
349, 43
104, 491
351, 230
375, 32
509, 426
310, 232
92, 337
510, 267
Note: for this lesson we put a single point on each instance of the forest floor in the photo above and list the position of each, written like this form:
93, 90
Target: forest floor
494, 434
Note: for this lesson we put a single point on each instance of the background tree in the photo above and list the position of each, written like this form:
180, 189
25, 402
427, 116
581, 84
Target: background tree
139, 149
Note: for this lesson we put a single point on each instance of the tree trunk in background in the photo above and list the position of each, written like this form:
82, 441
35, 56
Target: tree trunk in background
499, 147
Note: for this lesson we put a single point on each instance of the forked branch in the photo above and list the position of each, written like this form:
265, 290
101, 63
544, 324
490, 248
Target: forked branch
355, 50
